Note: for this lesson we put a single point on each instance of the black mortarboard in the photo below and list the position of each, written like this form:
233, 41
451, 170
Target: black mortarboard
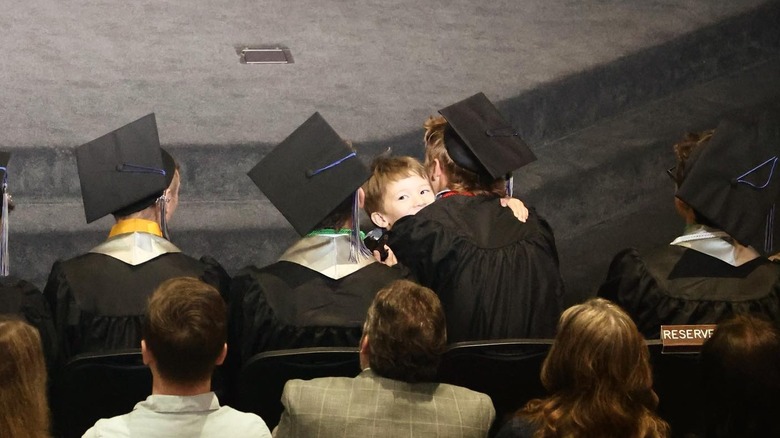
123, 171
481, 140
735, 183
309, 174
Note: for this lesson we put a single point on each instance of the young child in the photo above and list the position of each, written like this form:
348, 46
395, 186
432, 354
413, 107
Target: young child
398, 187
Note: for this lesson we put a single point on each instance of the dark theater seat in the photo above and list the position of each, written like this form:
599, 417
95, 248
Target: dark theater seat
677, 382
262, 379
98, 385
507, 370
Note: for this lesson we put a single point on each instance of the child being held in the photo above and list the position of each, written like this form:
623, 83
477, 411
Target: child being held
398, 187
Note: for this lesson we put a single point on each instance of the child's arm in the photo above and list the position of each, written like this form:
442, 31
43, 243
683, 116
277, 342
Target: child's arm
517, 207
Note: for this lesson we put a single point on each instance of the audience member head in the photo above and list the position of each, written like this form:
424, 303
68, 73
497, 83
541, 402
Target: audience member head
185, 331
405, 333
741, 366
444, 173
686, 153
398, 187
22, 381
598, 376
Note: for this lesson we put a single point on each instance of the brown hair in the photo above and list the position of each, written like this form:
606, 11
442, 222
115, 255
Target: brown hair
25, 412
407, 332
599, 377
460, 179
689, 146
741, 368
185, 329
686, 152
385, 170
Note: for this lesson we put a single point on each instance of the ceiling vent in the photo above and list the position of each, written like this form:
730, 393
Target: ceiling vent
265, 55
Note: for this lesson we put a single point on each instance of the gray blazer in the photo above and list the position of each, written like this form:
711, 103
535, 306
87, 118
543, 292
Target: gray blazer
373, 406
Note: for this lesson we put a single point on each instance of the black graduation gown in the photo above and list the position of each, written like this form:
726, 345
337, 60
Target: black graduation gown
19, 297
677, 285
98, 302
496, 276
287, 305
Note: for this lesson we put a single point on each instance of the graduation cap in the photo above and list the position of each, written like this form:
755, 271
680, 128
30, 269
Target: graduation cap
479, 139
4, 254
309, 174
124, 171
735, 183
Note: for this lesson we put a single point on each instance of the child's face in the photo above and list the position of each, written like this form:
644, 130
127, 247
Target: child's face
402, 198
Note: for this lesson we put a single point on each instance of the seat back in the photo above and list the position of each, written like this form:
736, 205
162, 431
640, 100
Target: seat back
98, 385
677, 382
262, 378
506, 370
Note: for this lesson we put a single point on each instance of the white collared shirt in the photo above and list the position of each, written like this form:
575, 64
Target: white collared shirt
181, 416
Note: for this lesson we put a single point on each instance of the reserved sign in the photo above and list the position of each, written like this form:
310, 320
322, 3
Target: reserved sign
686, 336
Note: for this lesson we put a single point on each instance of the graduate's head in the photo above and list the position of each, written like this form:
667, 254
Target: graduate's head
471, 147
405, 333
127, 174
686, 152
150, 208
444, 173
185, 331
398, 187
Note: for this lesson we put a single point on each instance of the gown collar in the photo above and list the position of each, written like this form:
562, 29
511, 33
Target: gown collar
327, 254
715, 243
125, 226
135, 241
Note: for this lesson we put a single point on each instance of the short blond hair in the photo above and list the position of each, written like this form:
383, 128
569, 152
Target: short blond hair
385, 170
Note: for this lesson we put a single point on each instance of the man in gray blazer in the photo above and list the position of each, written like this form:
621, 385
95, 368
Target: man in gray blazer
403, 339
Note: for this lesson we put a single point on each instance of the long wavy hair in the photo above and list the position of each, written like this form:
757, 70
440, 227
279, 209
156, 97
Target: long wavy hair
599, 377
24, 412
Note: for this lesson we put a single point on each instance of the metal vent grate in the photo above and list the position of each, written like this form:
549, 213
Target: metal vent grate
265, 56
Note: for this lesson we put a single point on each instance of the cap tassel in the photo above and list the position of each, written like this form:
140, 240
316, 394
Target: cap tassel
773, 161
162, 201
769, 232
4, 256
357, 249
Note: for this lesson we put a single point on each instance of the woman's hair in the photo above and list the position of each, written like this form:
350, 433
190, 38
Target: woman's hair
686, 152
741, 370
24, 411
599, 379
460, 179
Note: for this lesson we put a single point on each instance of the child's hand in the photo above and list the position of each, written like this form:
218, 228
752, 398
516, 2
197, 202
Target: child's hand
517, 207
390, 260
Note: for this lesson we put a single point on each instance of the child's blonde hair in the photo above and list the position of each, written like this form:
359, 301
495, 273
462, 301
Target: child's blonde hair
385, 170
